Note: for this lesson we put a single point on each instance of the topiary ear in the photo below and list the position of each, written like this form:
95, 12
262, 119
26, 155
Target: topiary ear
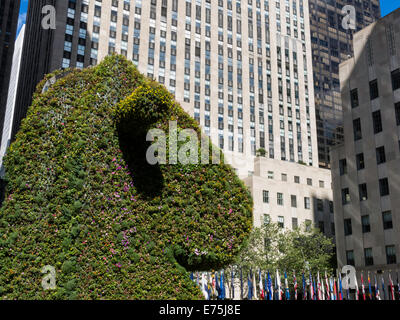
147, 105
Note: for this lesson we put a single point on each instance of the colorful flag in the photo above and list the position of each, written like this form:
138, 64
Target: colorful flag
362, 287
254, 293
369, 287
221, 292
266, 287
304, 287
398, 284
232, 285
315, 290
278, 285
335, 289
328, 291
262, 293
356, 284
391, 286
340, 287
270, 288
383, 288
217, 288
319, 295
311, 288
295, 285
250, 287
377, 294
287, 293
204, 286
323, 289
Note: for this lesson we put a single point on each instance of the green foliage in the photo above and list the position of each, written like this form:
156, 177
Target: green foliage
271, 247
81, 198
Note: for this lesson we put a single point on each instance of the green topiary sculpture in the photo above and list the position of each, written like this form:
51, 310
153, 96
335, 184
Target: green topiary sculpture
82, 198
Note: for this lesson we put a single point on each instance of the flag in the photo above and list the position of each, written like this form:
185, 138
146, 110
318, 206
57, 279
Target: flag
391, 286
295, 285
315, 290
266, 287
362, 286
398, 284
377, 294
335, 289
328, 291
191, 276
262, 294
278, 285
304, 288
383, 288
340, 287
369, 287
287, 293
221, 291
204, 286
331, 288
270, 288
250, 287
319, 287
357, 289
311, 288
217, 288
254, 287
323, 289
213, 284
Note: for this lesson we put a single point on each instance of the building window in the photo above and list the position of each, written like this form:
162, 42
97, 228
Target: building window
362, 190
281, 221
296, 179
342, 166
390, 254
345, 196
384, 187
387, 220
279, 199
347, 227
397, 111
357, 129
369, 259
350, 257
354, 98
380, 155
331, 206
307, 203
373, 89
267, 219
321, 184
265, 196
320, 205
295, 223
309, 181
366, 227
270, 175
284, 177
377, 121
293, 201
396, 79
360, 161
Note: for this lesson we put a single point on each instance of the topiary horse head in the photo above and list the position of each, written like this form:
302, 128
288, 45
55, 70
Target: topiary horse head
83, 198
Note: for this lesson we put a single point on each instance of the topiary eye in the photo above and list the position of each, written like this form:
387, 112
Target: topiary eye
148, 104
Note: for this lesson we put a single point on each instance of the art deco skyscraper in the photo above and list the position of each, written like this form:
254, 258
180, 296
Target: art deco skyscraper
332, 44
366, 168
9, 10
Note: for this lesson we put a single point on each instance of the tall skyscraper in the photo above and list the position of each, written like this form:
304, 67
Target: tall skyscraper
332, 44
366, 168
241, 68
9, 10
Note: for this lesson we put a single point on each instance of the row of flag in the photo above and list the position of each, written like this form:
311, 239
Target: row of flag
264, 286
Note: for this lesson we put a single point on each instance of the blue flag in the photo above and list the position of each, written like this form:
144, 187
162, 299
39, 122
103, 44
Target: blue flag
304, 288
250, 287
269, 290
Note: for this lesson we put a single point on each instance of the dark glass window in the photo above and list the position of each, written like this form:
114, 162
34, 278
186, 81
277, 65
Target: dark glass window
362, 189
384, 186
366, 227
373, 89
345, 196
377, 121
354, 98
347, 227
357, 129
391, 254
360, 161
380, 155
396, 79
387, 220
350, 257
343, 166
397, 111
369, 259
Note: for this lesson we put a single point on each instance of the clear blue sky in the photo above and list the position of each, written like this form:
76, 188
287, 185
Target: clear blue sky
387, 6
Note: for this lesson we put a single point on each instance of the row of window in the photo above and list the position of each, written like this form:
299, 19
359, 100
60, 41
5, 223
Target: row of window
374, 89
369, 258
296, 179
365, 223
293, 201
295, 223
363, 193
